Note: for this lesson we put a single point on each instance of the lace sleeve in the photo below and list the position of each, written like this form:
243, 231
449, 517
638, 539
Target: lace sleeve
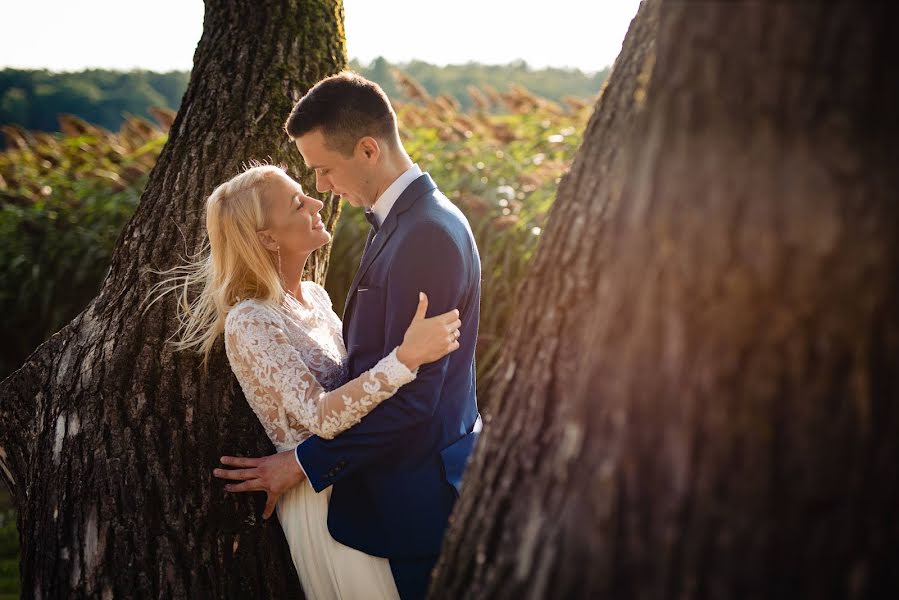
281, 389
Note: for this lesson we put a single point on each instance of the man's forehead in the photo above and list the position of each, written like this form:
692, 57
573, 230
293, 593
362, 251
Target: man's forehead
311, 139
312, 155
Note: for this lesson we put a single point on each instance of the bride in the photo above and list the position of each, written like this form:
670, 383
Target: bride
284, 344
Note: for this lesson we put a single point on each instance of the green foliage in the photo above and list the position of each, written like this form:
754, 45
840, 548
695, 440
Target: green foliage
33, 99
63, 202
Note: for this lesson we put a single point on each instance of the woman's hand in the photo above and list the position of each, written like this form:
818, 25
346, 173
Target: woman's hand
427, 340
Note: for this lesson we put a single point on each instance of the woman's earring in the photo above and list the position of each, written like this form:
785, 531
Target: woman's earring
280, 273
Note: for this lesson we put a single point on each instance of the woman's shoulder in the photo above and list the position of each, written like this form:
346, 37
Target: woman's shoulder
249, 309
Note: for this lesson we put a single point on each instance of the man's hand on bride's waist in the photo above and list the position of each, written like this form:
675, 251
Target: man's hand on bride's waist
273, 475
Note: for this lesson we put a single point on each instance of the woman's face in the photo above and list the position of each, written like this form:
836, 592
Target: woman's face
293, 219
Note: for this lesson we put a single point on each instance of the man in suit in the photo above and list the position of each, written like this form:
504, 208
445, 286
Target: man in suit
396, 474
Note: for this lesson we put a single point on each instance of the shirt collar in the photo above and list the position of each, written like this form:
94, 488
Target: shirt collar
381, 207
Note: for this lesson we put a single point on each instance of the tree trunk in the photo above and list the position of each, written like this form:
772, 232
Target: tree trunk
108, 438
701, 390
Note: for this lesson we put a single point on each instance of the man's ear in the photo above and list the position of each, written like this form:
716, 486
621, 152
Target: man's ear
369, 148
267, 241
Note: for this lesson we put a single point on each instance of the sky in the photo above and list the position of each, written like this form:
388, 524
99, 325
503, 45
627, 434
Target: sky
67, 35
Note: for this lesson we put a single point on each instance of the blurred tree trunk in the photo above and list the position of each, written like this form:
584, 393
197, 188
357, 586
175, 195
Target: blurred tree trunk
107, 437
701, 390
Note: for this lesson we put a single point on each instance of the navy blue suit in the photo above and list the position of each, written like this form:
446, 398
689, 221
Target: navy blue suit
396, 474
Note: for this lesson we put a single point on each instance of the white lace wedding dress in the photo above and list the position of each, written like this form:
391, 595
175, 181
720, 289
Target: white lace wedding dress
285, 358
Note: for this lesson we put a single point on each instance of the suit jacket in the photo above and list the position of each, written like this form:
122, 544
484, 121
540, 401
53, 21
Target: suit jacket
396, 474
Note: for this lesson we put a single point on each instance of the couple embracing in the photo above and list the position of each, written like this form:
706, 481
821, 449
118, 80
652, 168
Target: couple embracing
374, 416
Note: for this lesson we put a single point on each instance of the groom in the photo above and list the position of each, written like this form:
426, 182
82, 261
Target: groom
397, 473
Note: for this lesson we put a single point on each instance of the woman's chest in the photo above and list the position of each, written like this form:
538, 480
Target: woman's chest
318, 339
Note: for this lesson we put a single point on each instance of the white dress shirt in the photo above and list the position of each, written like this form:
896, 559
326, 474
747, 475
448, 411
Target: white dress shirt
385, 201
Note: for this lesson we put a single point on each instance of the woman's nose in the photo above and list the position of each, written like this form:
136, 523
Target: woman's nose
316, 205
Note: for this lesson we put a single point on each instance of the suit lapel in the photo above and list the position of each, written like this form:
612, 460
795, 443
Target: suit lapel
362, 261
413, 192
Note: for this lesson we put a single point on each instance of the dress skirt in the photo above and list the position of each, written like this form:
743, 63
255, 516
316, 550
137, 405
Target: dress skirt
329, 570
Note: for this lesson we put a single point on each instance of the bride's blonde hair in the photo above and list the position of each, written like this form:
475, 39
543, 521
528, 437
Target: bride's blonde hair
231, 265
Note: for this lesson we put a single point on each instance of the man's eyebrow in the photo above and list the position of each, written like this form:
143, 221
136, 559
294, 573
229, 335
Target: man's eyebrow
315, 166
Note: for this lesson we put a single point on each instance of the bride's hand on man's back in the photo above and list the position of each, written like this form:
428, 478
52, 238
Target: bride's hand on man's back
429, 339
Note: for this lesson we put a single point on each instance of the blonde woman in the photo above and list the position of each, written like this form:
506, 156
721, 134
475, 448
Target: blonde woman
284, 344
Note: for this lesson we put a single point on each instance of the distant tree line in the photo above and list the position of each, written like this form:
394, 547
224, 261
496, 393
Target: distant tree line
34, 98
454, 80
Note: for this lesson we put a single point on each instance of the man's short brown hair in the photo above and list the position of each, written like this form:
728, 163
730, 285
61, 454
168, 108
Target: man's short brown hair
346, 107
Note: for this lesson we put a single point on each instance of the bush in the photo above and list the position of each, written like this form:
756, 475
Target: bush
63, 201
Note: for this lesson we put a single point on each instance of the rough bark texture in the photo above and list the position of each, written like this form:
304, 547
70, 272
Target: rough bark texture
108, 438
701, 391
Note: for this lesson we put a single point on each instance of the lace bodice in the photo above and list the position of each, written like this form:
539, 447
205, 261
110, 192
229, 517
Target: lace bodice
287, 357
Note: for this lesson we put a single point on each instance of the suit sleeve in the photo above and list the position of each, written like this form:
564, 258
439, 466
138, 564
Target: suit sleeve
429, 261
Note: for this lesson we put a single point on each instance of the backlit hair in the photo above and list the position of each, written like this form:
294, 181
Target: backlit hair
232, 264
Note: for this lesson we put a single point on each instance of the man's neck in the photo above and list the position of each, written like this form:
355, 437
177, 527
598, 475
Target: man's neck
395, 167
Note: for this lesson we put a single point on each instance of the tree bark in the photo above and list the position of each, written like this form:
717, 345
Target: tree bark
108, 438
701, 390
